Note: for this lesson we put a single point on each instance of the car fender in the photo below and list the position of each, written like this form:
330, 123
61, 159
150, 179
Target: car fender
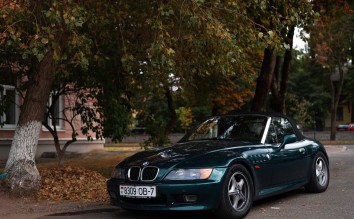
248, 165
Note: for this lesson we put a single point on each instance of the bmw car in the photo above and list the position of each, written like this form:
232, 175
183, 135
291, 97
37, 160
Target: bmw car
223, 165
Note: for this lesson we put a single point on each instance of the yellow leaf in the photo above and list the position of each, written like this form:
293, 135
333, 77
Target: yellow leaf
170, 51
44, 40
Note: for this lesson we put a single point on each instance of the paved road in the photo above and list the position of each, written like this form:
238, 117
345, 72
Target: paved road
336, 202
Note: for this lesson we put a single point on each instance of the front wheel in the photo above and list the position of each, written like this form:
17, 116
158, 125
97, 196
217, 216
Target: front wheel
237, 193
319, 179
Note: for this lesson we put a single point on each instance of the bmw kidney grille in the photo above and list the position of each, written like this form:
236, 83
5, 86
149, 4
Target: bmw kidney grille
145, 174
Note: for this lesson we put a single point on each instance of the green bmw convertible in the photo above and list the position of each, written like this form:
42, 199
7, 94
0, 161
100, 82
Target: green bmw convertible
223, 165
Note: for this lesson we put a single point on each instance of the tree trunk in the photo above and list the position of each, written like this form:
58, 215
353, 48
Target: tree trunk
60, 151
276, 86
281, 76
337, 86
264, 81
171, 108
215, 109
53, 130
23, 176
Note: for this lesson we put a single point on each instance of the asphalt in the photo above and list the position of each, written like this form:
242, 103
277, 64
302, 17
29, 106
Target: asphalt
336, 202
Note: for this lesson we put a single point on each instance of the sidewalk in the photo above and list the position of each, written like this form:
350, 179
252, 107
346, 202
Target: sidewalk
332, 149
325, 135
29, 208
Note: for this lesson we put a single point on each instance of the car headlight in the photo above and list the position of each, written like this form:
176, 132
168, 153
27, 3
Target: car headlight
189, 174
118, 173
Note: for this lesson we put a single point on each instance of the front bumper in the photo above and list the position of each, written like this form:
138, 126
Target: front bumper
172, 195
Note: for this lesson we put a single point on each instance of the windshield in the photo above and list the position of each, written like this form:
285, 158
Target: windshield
238, 128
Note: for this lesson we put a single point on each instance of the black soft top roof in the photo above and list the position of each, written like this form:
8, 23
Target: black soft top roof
298, 134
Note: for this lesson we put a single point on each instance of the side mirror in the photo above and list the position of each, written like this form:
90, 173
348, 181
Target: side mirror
288, 139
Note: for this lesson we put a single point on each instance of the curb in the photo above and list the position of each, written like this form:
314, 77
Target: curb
335, 148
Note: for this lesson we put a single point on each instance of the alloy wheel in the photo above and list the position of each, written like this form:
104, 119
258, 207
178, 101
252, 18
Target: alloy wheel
321, 171
238, 191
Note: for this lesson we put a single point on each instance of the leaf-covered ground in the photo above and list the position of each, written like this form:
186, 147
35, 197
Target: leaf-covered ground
80, 184
72, 183
82, 179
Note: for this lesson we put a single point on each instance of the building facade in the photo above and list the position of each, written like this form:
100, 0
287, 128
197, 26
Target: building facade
9, 119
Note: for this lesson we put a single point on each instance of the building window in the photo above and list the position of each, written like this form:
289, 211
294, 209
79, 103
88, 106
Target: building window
339, 115
55, 120
9, 100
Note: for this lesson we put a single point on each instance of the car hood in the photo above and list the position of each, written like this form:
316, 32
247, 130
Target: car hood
186, 152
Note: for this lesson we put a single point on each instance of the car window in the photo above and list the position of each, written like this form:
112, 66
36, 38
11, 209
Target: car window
207, 131
278, 128
272, 136
238, 128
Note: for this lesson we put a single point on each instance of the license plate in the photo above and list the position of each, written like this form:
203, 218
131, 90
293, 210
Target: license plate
137, 191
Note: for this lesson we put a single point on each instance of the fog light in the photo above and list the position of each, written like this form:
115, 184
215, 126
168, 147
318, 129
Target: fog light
190, 198
113, 195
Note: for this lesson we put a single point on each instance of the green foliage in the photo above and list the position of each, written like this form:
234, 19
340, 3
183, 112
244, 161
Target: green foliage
124, 54
209, 50
200, 114
348, 88
88, 66
274, 18
117, 115
298, 109
154, 119
308, 81
185, 117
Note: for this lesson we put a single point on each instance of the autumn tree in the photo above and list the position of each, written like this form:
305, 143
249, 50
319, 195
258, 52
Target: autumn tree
47, 45
182, 44
69, 45
210, 50
332, 37
277, 21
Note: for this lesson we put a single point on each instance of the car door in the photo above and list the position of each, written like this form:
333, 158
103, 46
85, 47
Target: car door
288, 161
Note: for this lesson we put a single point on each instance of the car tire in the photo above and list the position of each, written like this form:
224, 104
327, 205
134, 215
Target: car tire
319, 178
237, 193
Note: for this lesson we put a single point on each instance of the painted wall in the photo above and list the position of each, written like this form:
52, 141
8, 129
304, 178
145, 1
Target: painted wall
45, 144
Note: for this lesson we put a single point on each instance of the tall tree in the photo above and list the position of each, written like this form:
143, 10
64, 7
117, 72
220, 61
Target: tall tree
308, 83
278, 23
67, 43
333, 35
23, 174
185, 43
280, 78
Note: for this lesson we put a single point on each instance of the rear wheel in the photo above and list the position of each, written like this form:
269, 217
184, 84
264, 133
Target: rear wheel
319, 174
237, 193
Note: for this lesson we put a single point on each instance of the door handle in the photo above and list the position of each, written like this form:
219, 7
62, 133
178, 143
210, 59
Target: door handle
302, 150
